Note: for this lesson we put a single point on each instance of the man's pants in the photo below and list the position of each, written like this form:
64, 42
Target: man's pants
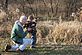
26, 42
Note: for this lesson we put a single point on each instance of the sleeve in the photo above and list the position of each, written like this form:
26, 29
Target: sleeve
13, 32
20, 33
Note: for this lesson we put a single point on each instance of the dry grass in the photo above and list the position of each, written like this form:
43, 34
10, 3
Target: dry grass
5, 29
2, 15
62, 33
52, 32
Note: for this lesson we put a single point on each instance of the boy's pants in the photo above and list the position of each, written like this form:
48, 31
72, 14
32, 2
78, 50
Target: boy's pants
34, 39
26, 42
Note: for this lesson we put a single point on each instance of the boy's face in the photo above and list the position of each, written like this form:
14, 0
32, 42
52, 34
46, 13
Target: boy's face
31, 18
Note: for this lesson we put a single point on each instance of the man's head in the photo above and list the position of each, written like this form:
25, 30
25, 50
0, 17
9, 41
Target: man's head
23, 19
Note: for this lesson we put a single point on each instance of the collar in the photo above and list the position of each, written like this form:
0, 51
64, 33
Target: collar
18, 22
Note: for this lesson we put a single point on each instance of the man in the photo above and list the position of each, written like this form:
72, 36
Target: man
18, 36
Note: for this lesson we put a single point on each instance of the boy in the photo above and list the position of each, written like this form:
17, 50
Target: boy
31, 26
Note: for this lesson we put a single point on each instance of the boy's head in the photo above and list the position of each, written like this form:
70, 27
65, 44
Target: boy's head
30, 18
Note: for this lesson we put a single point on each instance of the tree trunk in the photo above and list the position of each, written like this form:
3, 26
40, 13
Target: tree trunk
51, 6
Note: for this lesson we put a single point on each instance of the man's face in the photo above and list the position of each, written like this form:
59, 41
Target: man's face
24, 21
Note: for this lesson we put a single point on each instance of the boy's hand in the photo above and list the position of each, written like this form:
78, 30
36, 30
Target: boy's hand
29, 29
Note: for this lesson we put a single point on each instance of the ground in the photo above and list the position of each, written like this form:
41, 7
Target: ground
56, 50
46, 50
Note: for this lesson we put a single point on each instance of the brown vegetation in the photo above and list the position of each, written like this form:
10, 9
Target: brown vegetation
62, 33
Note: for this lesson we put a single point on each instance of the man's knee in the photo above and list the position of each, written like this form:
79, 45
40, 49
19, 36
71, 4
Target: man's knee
27, 41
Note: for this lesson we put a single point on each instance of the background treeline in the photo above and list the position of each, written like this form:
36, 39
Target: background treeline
49, 9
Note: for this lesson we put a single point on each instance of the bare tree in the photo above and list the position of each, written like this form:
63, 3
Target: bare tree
36, 12
51, 6
56, 7
71, 7
5, 5
30, 4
